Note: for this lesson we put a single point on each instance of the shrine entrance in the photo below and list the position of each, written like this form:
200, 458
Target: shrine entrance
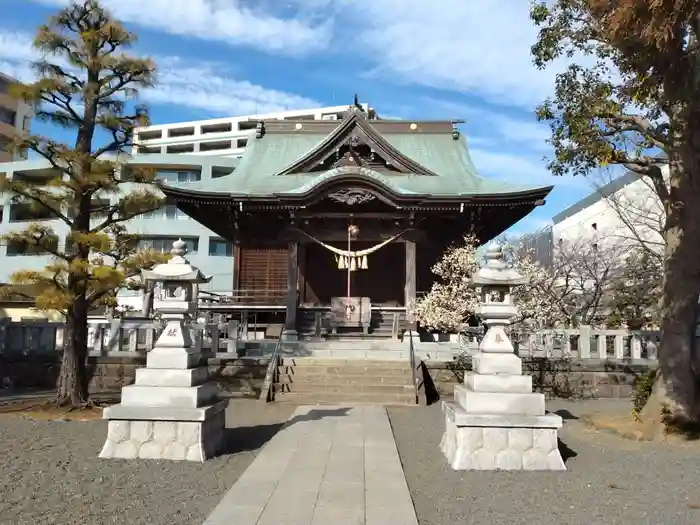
382, 281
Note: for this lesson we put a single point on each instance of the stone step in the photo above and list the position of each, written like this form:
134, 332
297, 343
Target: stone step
345, 370
349, 389
351, 354
347, 379
356, 398
349, 344
305, 362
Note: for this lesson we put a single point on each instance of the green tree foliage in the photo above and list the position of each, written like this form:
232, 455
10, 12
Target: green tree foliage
631, 95
86, 84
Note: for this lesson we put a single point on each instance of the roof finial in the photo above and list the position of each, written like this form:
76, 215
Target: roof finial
356, 101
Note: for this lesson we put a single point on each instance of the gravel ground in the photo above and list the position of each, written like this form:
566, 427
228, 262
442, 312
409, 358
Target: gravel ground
609, 481
50, 473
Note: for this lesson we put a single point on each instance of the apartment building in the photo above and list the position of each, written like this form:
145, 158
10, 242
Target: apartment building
183, 152
15, 116
226, 137
625, 212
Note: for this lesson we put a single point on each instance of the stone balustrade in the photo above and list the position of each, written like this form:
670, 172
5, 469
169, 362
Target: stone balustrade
134, 336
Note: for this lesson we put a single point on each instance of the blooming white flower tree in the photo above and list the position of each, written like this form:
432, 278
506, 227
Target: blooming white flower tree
543, 303
449, 305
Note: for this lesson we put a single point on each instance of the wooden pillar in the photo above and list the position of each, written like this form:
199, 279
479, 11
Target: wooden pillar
290, 323
301, 258
236, 285
410, 286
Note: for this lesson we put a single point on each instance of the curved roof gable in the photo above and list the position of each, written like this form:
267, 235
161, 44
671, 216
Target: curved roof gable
355, 130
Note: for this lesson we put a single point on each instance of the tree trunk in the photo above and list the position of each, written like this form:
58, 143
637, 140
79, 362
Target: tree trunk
72, 386
677, 392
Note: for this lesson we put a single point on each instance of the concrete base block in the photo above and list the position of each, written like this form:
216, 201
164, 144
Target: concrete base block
496, 403
174, 440
509, 364
498, 383
138, 413
502, 446
169, 396
178, 358
171, 377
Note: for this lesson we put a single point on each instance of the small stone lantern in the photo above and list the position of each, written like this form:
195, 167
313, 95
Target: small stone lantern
496, 422
172, 410
174, 299
496, 310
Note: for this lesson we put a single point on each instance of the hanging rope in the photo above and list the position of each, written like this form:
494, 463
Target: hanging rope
355, 260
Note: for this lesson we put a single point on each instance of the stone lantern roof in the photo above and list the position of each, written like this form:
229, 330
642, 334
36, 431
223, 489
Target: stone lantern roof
177, 268
496, 272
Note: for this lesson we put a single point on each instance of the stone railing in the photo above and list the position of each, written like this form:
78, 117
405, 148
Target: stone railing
118, 337
581, 343
134, 336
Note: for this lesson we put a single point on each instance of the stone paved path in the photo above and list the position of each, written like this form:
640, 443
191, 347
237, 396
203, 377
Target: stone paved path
328, 465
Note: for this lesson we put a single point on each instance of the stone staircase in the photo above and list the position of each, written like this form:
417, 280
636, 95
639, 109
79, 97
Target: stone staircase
333, 381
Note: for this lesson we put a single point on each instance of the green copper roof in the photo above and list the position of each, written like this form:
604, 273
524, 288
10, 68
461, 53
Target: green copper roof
439, 153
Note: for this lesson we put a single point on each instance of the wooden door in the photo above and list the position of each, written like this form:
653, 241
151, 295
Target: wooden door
262, 274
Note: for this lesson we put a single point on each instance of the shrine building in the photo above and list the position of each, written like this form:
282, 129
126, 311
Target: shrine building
335, 224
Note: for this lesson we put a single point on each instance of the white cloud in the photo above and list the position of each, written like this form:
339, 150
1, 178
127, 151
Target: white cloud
479, 47
228, 21
487, 123
519, 169
204, 86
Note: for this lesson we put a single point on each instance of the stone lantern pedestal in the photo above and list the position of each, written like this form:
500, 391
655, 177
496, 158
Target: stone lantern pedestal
172, 411
496, 422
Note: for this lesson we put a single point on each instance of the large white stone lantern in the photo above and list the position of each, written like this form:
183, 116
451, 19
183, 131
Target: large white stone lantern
172, 410
496, 422
497, 280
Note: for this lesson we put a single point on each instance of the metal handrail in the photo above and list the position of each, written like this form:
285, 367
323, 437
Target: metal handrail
412, 357
270, 373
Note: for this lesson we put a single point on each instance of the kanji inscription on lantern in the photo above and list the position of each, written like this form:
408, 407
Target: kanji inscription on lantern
499, 338
173, 332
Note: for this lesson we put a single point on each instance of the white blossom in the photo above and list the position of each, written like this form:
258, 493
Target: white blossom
450, 304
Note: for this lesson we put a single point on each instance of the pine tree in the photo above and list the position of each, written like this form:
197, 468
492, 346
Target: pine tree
634, 97
86, 84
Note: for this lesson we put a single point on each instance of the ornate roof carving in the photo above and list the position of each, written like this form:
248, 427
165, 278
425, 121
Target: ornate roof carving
355, 143
351, 196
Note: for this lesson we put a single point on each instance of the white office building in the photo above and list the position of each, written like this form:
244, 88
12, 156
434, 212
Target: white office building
625, 211
226, 137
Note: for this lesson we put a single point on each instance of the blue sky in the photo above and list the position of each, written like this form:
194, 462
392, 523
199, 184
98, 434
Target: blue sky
452, 59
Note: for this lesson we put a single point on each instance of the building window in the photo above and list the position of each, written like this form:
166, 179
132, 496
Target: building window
165, 244
215, 174
4, 86
26, 248
171, 176
26, 123
220, 248
99, 209
169, 211
7, 116
22, 212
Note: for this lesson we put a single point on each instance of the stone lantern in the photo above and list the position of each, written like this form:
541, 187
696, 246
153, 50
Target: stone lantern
496, 281
496, 422
171, 411
174, 299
